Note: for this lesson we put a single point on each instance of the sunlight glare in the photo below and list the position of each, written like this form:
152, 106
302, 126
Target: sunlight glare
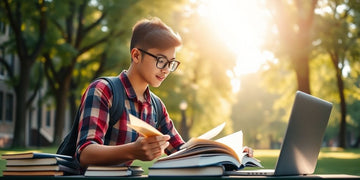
241, 25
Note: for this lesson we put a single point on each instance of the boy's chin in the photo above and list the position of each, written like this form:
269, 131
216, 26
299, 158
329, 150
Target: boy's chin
155, 85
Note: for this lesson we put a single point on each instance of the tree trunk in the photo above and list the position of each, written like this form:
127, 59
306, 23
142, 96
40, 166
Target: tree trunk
342, 131
340, 84
73, 108
297, 43
21, 90
302, 74
14, 15
184, 127
357, 143
61, 99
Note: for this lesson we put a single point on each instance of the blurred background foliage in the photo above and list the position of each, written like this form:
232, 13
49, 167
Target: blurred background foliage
241, 61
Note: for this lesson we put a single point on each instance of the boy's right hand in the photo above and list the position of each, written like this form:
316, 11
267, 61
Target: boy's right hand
149, 148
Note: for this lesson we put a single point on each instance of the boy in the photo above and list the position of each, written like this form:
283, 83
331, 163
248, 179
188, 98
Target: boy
153, 46
152, 50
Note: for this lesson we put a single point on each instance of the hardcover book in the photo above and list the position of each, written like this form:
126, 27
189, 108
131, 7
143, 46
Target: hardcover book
40, 161
114, 171
33, 155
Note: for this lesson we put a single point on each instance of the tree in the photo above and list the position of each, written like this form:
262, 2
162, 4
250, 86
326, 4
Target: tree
292, 39
79, 31
107, 58
28, 22
338, 38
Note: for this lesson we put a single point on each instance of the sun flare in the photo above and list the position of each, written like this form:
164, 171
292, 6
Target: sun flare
241, 25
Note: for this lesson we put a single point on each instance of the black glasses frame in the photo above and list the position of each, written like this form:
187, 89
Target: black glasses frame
172, 64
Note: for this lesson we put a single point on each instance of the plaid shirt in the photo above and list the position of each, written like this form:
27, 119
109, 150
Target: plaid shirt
94, 117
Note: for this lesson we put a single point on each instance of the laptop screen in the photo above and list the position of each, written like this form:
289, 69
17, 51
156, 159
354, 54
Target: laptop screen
304, 135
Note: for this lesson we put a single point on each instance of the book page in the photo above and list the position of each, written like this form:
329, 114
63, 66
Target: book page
213, 132
142, 127
208, 135
202, 146
234, 141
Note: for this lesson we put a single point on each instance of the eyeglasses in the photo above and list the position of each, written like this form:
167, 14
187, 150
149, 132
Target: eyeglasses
162, 62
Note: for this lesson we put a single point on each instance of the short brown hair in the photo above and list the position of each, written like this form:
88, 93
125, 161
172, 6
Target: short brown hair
153, 33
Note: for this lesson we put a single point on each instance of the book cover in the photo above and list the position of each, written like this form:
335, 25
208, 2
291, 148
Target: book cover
107, 168
40, 161
42, 168
108, 173
33, 155
114, 171
33, 173
183, 172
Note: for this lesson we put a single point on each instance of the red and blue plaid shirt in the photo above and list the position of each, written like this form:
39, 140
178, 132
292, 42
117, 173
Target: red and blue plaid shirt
94, 117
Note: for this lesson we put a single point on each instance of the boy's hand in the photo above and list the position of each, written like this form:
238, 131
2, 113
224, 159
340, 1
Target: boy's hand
249, 151
149, 148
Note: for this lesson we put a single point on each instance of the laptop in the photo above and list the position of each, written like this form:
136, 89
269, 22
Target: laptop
302, 142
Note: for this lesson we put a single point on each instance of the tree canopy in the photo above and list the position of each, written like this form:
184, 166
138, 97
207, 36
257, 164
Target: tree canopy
65, 44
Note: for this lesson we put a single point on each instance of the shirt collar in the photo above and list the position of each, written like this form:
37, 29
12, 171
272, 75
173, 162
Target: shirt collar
130, 92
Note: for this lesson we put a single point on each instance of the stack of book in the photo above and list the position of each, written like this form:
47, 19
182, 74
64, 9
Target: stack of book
38, 164
114, 171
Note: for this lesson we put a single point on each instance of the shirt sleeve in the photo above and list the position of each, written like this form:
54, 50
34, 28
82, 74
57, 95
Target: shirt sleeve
166, 126
94, 115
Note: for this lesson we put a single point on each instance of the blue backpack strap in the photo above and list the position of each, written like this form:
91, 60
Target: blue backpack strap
155, 100
117, 107
68, 145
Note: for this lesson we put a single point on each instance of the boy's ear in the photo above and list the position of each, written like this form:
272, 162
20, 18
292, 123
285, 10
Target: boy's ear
135, 55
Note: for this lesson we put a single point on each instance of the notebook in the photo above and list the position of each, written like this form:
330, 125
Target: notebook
303, 138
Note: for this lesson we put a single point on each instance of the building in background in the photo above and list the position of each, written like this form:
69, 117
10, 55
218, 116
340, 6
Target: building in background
40, 114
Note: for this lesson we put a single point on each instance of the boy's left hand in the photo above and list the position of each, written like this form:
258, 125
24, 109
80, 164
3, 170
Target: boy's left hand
249, 151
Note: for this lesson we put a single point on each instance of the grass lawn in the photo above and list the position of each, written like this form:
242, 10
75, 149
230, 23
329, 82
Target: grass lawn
331, 161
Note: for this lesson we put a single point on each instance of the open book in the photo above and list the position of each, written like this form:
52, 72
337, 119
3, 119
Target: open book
201, 151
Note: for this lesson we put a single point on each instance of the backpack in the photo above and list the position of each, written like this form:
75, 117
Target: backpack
68, 146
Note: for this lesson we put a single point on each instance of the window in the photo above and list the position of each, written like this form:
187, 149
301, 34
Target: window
9, 107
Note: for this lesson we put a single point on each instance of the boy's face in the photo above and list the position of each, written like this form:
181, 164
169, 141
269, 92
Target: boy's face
151, 74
